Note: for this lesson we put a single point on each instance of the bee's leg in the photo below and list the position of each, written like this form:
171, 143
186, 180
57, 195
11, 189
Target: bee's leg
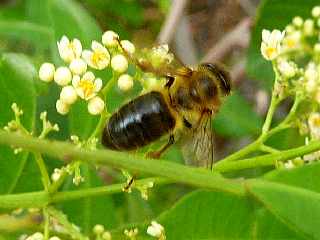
157, 154
170, 81
127, 187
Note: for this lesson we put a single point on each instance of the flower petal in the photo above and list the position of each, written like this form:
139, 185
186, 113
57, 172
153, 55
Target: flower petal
97, 85
265, 35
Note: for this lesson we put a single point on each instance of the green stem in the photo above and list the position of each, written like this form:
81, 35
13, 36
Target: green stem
42, 199
268, 149
268, 159
46, 232
43, 170
272, 108
132, 162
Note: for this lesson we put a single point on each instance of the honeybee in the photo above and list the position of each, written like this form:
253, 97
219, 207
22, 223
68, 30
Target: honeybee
181, 109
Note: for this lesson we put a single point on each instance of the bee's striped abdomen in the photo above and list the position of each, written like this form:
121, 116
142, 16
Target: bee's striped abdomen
138, 123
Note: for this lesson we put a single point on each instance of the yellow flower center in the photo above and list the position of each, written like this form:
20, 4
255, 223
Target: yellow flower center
316, 122
97, 57
270, 51
87, 87
291, 43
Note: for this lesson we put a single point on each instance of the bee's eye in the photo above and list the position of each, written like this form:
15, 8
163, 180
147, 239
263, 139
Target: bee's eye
222, 76
194, 94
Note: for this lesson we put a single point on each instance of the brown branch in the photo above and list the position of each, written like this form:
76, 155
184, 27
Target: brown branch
237, 37
169, 27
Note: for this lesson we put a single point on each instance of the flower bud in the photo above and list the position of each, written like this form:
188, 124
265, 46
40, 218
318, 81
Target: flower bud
78, 66
68, 95
125, 82
316, 11
128, 46
62, 76
119, 63
95, 106
62, 107
98, 229
297, 21
46, 72
286, 69
109, 39
106, 235
54, 238
308, 27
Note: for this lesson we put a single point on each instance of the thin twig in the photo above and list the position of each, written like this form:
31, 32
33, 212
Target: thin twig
184, 44
237, 71
248, 6
169, 27
239, 36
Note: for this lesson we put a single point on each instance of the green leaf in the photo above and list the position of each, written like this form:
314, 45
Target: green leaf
207, 215
236, 118
90, 211
17, 85
272, 14
71, 19
33, 33
297, 208
218, 215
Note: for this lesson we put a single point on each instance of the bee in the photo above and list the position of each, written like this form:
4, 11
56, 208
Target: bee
181, 109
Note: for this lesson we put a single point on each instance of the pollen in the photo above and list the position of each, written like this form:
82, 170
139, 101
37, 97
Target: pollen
87, 87
270, 51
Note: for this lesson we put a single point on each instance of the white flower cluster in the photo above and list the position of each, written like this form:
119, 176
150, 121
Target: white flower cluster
77, 81
295, 54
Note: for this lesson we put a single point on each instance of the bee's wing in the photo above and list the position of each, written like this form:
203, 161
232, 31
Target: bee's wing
197, 145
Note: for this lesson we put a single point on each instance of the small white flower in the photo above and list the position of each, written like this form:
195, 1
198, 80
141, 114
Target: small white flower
297, 21
308, 27
62, 76
56, 174
98, 58
69, 50
314, 125
109, 39
311, 76
54, 238
106, 235
271, 43
119, 63
289, 164
95, 106
316, 11
98, 229
68, 95
287, 69
125, 82
292, 40
87, 87
161, 55
46, 72
128, 46
156, 230
62, 107
78, 66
